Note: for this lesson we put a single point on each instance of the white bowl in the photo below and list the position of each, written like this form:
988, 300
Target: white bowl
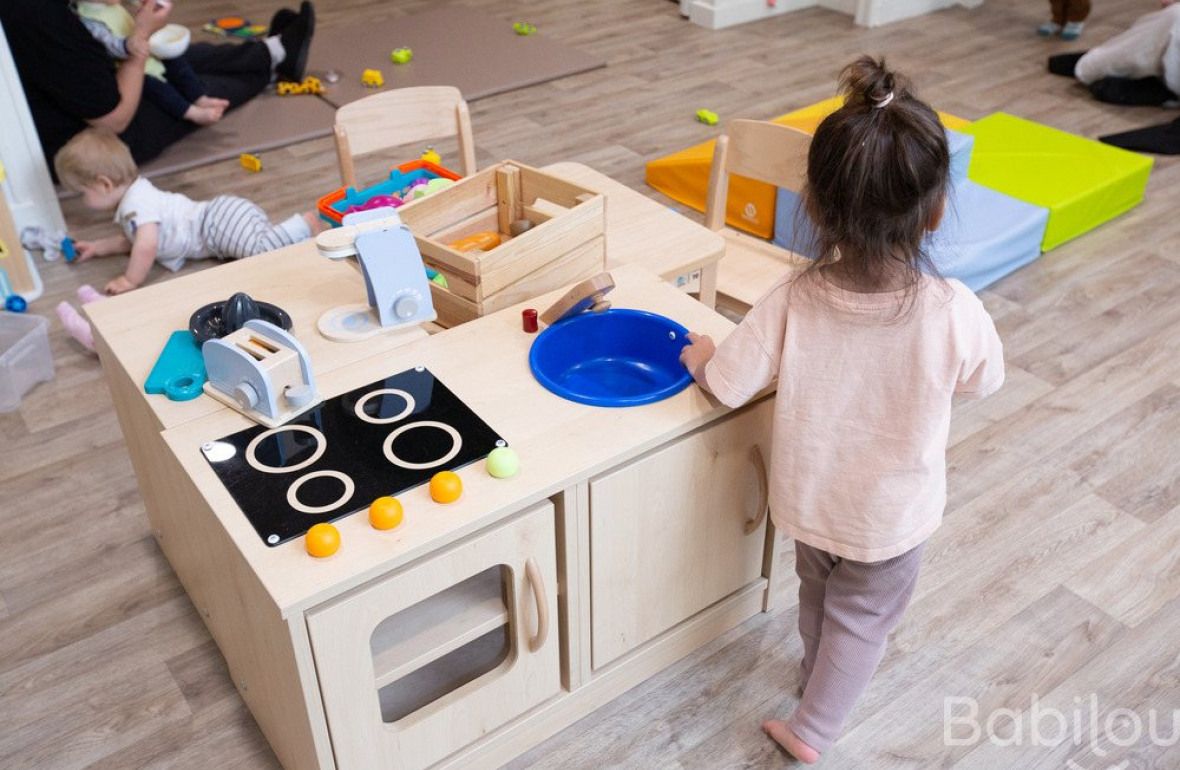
169, 42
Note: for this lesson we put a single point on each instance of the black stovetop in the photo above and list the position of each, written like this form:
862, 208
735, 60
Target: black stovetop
334, 460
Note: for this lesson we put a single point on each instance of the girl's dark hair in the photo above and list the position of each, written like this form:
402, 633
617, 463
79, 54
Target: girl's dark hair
877, 176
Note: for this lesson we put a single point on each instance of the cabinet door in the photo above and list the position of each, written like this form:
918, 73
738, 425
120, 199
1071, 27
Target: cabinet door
419, 664
676, 531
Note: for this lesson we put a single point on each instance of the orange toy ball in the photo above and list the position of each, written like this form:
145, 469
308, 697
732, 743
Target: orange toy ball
322, 540
386, 513
445, 487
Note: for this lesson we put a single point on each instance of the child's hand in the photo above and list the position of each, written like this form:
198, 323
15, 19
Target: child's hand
697, 353
87, 250
120, 285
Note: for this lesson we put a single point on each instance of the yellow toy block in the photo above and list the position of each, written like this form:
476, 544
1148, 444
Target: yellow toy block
251, 163
372, 78
310, 85
684, 176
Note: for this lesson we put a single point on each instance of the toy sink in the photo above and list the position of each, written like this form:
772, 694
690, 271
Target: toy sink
612, 358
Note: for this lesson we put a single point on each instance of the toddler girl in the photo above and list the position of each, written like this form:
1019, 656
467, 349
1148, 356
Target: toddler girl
171, 84
1068, 17
868, 347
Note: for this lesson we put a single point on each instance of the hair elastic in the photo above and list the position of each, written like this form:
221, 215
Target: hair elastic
884, 102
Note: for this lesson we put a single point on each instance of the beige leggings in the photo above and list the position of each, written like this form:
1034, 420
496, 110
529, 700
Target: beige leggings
846, 611
1069, 10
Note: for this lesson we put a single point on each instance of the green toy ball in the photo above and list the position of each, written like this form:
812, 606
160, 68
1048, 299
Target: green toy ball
401, 55
503, 463
524, 28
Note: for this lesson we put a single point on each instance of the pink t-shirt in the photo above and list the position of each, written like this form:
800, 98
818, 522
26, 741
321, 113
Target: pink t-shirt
858, 464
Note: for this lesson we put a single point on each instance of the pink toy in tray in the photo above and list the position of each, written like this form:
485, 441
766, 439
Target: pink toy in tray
376, 202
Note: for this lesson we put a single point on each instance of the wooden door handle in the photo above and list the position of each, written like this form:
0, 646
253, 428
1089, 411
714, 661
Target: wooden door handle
533, 573
764, 488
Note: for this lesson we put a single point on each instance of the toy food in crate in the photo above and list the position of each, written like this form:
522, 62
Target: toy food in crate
407, 181
504, 235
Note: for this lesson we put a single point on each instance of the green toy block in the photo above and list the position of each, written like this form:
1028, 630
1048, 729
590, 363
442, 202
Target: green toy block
1082, 182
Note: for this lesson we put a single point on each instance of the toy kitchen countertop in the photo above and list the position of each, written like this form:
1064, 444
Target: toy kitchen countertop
485, 364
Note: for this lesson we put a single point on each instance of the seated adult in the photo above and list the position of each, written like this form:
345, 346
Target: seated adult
71, 81
1140, 66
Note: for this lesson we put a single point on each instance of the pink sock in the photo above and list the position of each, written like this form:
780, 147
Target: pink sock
76, 325
88, 294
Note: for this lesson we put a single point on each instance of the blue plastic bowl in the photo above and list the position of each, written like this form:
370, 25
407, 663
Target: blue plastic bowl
613, 358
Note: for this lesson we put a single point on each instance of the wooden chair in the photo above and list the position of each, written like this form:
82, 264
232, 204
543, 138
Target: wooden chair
398, 117
768, 153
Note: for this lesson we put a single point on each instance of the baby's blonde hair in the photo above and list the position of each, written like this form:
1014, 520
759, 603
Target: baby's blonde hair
92, 153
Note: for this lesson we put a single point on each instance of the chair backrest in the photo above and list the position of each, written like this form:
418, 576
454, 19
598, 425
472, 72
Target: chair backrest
766, 152
401, 116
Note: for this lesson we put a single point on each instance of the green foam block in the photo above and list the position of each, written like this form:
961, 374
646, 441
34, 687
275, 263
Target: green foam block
1082, 182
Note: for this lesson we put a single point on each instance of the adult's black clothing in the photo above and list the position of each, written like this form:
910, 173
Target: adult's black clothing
69, 78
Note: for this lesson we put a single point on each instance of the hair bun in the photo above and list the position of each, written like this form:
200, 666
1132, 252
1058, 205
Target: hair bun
867, 82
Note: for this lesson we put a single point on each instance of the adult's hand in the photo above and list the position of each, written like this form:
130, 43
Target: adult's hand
151, 16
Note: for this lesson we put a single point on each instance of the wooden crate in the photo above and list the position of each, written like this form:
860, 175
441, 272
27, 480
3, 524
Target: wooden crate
566, 244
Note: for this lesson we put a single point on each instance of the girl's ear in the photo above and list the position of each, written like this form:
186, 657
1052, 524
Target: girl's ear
936, 215
104, 183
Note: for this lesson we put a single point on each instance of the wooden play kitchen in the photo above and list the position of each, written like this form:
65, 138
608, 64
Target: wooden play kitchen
475, 629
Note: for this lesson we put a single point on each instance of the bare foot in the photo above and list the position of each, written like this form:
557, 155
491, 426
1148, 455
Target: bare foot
782, 735
212, 101
203, 116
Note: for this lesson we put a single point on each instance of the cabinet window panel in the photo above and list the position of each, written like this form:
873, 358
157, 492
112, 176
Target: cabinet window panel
442, 643
445, 675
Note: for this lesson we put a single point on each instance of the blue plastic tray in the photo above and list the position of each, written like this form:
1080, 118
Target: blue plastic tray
614, 358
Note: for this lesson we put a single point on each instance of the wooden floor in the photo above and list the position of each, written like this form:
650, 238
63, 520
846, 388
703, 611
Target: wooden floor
1056, 574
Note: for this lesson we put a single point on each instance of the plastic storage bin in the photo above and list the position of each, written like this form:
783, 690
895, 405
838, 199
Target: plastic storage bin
25, 359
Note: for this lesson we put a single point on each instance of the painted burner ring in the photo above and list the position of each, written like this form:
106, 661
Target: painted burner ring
456, 445
362, 414
293, 492
253, 461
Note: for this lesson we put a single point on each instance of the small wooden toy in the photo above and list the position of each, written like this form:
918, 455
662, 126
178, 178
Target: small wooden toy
251, 163
503, 463
234, 26
524, 28
488, 239
67, 249
401, 55
309, 85
322, 540
519, 226
386, 513
708, 117
590, 295
445, 487
262, 371
372, 79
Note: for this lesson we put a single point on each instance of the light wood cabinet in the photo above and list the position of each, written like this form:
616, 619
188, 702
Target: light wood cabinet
677, 531
437, 656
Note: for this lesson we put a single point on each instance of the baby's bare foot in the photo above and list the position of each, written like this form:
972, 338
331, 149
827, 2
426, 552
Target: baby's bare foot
212, 101
782, 735
203, 116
